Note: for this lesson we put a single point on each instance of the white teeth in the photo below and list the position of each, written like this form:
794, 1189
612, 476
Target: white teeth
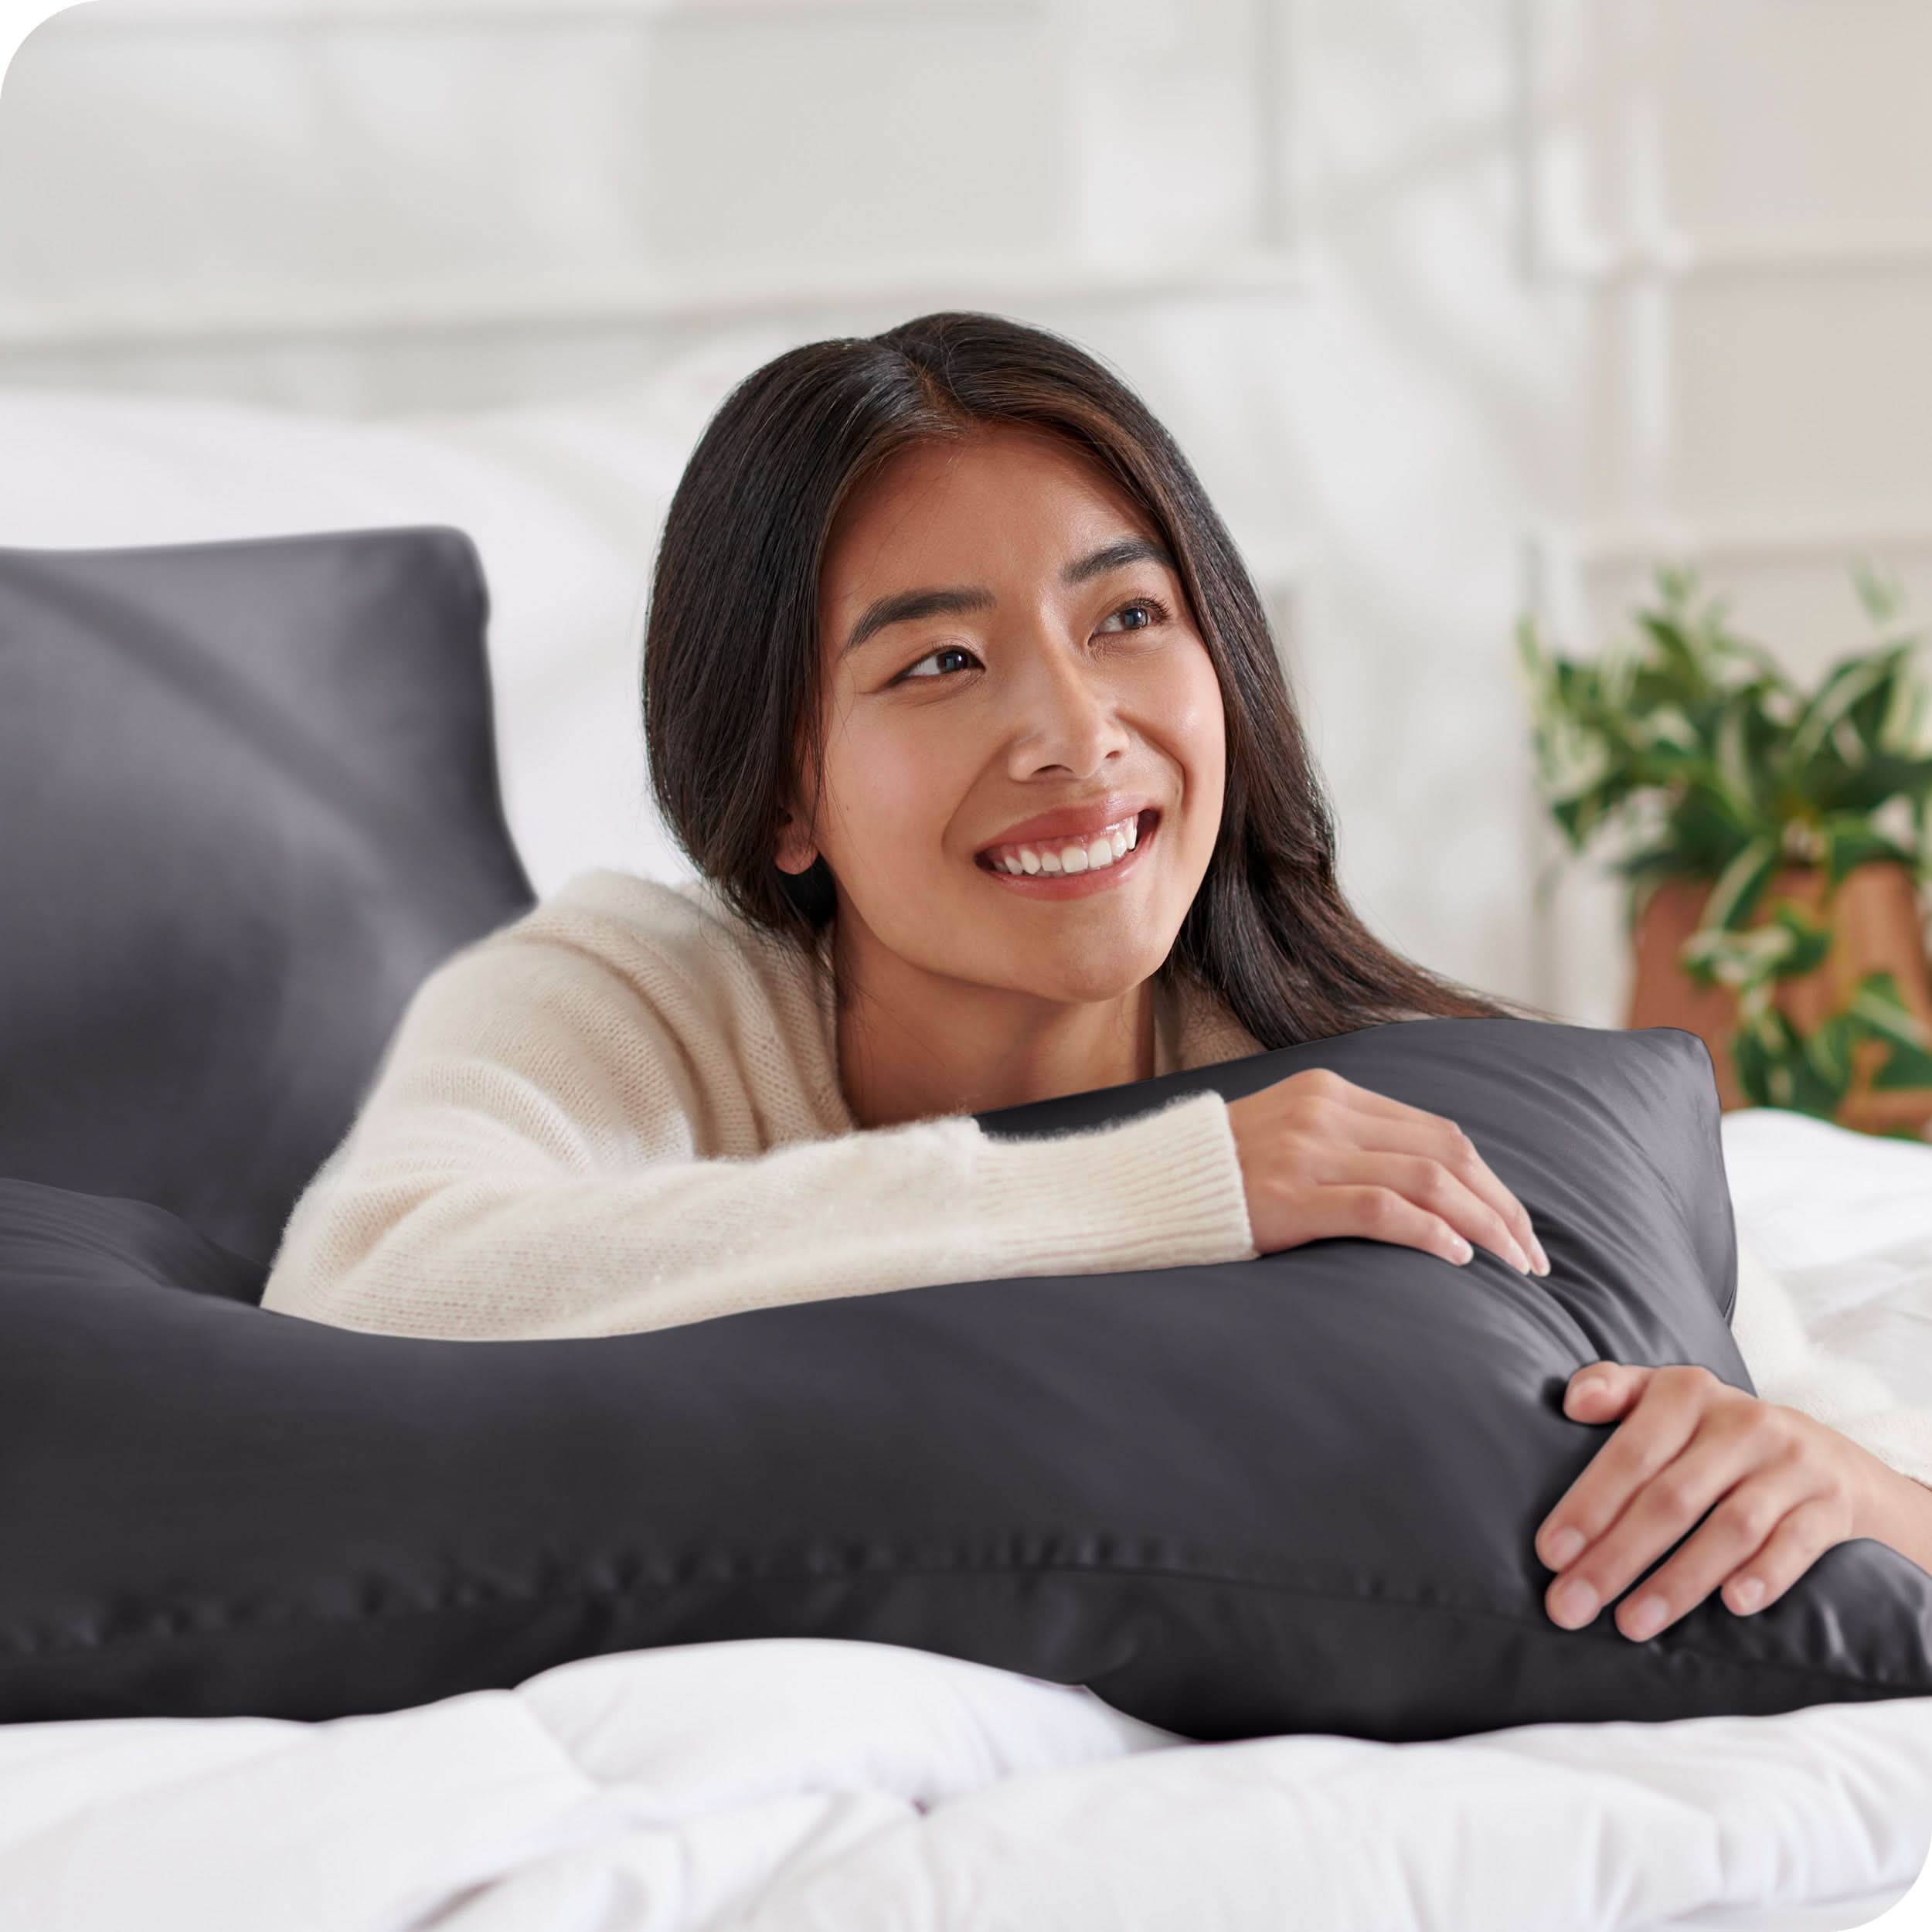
1103, 849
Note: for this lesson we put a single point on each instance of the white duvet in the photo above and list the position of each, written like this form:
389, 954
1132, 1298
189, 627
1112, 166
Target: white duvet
808, 1786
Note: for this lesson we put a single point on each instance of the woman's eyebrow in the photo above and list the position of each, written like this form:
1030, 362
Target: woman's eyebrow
1111, 556
902, 606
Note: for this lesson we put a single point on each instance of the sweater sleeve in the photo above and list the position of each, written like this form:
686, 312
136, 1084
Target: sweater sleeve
524, 1166
1792, 1369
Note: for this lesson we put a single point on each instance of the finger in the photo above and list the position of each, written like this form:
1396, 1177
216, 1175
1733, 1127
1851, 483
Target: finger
1433, 1187
1391, 1126
1600, 1389
1797, 1543
1735, 1545
1653, 1432
1462, 1160
1730, 1485
1377, 1213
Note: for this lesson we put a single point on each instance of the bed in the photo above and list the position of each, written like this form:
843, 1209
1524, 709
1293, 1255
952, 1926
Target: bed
795, 1783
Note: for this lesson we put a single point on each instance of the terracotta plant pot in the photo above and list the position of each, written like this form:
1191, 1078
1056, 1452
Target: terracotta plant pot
1875, 928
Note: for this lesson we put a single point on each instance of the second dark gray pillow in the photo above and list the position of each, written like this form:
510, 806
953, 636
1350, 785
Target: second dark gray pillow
250, 791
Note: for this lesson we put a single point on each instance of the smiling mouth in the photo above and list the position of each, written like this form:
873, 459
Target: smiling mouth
1144, 824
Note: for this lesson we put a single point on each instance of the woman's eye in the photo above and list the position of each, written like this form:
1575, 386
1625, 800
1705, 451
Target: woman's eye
1143, 614
1146, 609
945, 650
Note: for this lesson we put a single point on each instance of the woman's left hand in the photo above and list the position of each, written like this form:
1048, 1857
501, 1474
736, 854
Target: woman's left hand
1780, 1489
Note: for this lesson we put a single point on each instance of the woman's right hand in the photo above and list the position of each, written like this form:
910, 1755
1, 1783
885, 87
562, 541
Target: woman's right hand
1322, 1157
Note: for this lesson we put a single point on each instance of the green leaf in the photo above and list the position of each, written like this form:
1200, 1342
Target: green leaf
1751, 1060
1716, 954
1735, 767
1756, 1008
1849, 680
1882, 1013
1766, 1055
1828, 1048
1680, 658
1776, 1068
1908, 1068
1811, 940
1811, 1092
1902, 730
1851, 842
1667, 725
1741, 884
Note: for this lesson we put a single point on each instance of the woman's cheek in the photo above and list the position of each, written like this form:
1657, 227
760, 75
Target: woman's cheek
1191, 724
899, 785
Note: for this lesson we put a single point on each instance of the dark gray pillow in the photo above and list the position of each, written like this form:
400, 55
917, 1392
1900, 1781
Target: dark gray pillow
1297, 1493
250, 796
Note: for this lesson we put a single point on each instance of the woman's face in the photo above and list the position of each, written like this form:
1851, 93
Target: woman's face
1005, 642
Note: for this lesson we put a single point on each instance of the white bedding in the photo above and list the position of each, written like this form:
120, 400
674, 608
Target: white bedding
808, 1786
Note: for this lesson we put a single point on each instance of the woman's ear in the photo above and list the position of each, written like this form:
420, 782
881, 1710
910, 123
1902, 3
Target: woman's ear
795, 850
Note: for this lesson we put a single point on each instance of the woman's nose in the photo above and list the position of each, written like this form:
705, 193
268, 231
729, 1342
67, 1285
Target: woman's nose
1066, 713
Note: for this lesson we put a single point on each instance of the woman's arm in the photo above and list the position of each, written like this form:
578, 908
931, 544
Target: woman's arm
524, 1166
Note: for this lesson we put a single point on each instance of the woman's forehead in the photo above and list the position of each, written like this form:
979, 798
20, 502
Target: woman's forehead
999, 493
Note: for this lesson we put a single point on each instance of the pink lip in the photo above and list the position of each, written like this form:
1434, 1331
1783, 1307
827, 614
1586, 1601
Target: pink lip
1040, 885
1072, 822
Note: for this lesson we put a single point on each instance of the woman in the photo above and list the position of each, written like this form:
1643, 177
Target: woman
958, 695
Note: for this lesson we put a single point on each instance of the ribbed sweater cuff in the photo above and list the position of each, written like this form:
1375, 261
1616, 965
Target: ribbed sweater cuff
1162, 1190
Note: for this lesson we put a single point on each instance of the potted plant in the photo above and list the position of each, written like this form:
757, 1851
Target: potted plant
1781, 844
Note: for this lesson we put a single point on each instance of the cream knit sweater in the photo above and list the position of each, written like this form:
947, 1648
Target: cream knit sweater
622, 1111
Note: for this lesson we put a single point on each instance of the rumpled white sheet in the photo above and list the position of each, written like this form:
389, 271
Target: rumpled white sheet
808, 1786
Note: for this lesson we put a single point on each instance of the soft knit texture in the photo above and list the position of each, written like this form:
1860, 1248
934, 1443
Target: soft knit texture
622, 1111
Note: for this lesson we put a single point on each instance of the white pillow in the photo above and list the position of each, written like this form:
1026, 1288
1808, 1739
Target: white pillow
564, 501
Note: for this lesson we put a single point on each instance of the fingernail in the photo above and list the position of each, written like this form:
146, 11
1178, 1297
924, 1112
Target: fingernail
1520, 1259
1576, 1603
1563, 1546
1589, 1387
1647, 1618
1749, 1594
1542, 1260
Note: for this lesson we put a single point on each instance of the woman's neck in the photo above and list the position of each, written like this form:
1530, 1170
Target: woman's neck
914, 1047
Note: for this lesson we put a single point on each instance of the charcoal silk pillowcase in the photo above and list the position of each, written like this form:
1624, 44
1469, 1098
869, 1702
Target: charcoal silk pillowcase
251, 799
1297, 1493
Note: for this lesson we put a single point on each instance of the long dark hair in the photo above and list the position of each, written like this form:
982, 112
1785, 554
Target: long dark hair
732, 677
